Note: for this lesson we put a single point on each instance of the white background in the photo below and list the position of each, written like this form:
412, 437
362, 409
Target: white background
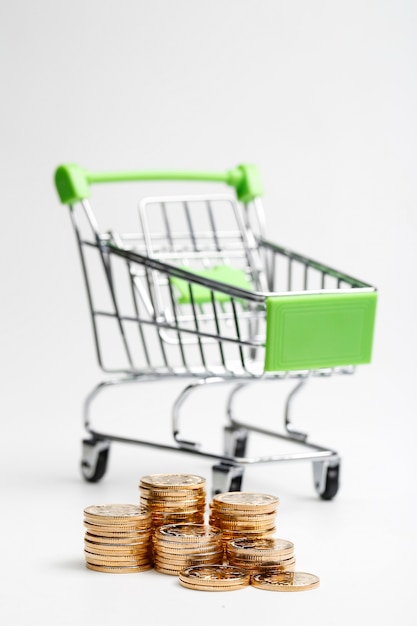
322, 97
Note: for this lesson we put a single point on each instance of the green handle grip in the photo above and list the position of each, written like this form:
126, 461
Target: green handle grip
73, 182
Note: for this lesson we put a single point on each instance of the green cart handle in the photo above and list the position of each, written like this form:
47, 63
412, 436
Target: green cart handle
73, 182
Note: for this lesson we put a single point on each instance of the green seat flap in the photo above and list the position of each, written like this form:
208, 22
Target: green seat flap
201, 294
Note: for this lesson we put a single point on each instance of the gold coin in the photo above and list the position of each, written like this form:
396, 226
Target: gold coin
117, 513
121, 526
179, 503
236, 515
221, 575
248, 546
178, 517
196, 587
100, 549
245, 500
187, 532
258, 561
189, 549
213, 556
115, 531
135, 540
173, 494
241, 526
176, 507
229, 535
129, 559
168, 481
111, 569
168, 572
275, 567
285, 581
96, 562
269, 566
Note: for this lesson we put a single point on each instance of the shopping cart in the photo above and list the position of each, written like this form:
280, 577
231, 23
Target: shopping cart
196, 292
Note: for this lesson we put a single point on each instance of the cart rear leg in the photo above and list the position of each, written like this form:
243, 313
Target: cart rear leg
235, 441
326, 478
95, 456
226, 477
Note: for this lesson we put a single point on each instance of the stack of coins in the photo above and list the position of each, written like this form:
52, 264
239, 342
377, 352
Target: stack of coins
118, 538
174, 498
244, 514
285, 581
177, 546
214, 578
258, 555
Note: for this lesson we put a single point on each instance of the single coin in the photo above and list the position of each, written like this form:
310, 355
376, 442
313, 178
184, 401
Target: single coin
215, 557
229, 535
248, 546
131, 540
181, 493
114, 550
116, 512
285, 581
169, 572
241, 526
129, 559
185, 481
93, 561
110, 569
187, 532
231, 514
272, 566
116, 531
196, 587
215, 574
188, 549
245, 500
258, 561
178, 503
275, 567
179, 517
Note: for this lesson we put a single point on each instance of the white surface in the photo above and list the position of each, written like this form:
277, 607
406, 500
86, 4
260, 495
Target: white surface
322, 97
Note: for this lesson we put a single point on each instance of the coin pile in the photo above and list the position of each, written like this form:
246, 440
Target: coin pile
177, 546
174, 498
285, 581
214, 578
118, 538
259, 555
244, 514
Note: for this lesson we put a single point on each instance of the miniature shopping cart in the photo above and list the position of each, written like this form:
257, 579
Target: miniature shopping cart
195, 291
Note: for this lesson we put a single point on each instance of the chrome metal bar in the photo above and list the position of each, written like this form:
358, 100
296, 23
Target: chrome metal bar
185, 393
213, 226
174, 310
198, 333
107, 270
316, 454
216, 320
190, 226
87, 286
167, 225
295, 434
197, 330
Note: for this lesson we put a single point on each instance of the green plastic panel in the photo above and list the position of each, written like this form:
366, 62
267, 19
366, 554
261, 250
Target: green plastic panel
319, 330
201, 295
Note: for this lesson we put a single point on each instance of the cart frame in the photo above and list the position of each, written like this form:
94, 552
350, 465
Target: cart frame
155, 275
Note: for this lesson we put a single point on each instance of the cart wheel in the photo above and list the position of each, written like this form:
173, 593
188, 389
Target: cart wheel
235, 441
226, 477
326, 479
95, 455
